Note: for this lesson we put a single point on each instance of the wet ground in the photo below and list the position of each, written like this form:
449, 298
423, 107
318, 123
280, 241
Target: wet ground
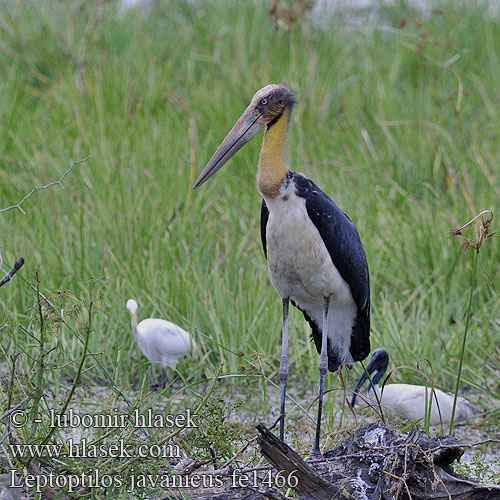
246, 406
243, 402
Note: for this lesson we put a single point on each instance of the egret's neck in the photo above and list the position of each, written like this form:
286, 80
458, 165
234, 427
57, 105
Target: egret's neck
133, 322
272, 169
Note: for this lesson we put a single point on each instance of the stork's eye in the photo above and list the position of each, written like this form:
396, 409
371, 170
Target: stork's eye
264, 101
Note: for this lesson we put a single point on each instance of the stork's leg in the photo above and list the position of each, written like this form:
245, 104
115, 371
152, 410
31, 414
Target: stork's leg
323, 367
284, 367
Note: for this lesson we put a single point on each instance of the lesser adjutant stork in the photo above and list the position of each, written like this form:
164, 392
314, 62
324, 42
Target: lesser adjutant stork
314, 253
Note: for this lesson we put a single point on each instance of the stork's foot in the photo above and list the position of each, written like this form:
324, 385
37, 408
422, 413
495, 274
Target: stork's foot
282, 427
315, 455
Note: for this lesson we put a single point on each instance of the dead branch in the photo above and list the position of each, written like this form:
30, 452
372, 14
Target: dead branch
8, 276
59, 182
46, 186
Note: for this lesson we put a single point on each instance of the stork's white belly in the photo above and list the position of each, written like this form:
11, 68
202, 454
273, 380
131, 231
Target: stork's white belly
299, 263
301, 268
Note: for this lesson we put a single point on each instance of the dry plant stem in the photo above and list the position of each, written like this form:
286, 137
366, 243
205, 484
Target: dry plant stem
78, 373
33, 468
379, 404
38, 390
402, 481
11, 383
8, 276
128, 463
464, 339
483, 234
457, 231
50, 184
429, 400
195, 466
239, 452
77, 335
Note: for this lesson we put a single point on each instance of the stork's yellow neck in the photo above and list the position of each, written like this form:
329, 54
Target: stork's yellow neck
272, 169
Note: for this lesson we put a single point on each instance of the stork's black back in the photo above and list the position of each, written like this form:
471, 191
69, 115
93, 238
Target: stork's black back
342, 241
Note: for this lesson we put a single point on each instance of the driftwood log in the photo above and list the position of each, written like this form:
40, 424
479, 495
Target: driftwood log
374, 463
378, 463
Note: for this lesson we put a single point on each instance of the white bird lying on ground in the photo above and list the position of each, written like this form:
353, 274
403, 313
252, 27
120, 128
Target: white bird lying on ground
161, 341
407, 400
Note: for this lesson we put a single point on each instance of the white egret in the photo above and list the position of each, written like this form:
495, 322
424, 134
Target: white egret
161, 341
408, 400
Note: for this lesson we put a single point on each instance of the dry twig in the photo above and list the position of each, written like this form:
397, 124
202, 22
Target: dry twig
50, 184
9, 274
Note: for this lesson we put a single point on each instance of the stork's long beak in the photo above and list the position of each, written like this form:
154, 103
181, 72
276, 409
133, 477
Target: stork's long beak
249, 123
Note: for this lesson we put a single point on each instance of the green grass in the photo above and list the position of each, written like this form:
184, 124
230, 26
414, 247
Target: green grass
400, 127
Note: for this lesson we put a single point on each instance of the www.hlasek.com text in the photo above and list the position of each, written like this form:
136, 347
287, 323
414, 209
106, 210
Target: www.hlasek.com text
84, 448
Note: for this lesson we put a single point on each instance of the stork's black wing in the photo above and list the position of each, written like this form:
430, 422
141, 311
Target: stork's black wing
342, 241
264, 215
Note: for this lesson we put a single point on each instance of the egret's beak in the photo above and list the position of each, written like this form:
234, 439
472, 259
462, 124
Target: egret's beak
134, 319
249, 123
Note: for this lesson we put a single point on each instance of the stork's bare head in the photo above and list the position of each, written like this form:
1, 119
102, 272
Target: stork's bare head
265, 108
